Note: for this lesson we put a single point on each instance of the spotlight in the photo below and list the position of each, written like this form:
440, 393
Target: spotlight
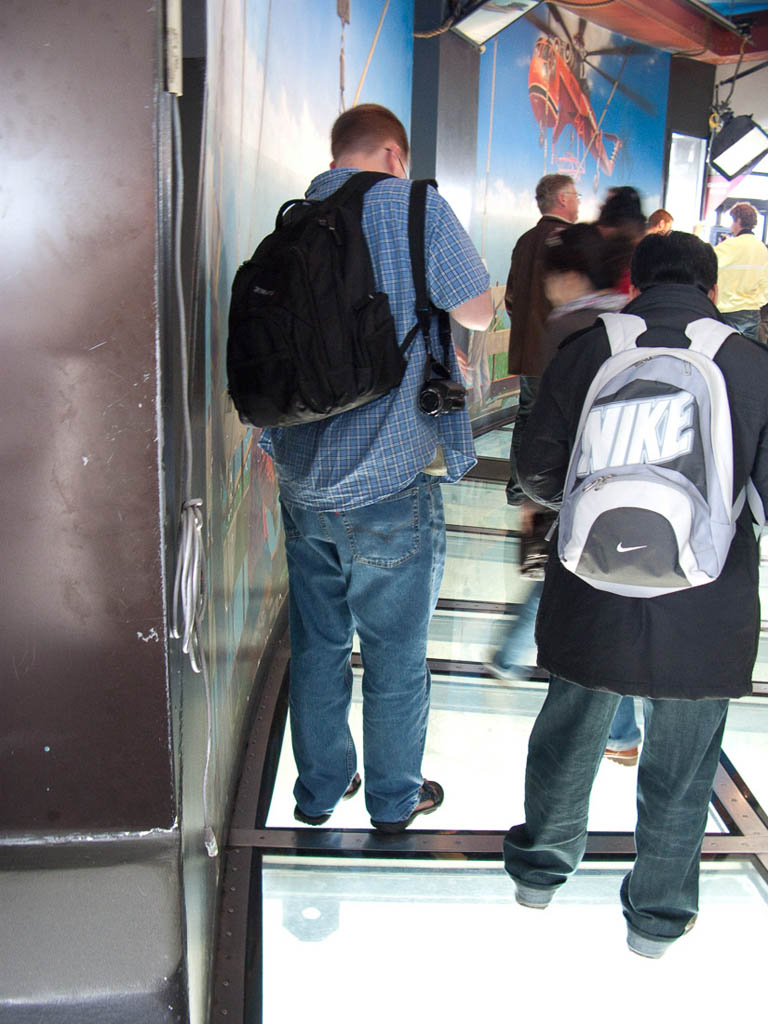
738, 146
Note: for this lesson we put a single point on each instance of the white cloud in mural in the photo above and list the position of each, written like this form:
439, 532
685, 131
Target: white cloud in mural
292, 137
503, 203
264, 128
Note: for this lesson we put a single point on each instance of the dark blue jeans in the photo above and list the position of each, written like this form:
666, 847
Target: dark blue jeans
529, 392
674, 785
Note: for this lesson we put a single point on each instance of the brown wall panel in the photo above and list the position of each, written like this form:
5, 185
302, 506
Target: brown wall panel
85, 734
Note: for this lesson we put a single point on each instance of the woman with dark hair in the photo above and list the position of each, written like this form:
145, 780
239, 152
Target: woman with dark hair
622, 223
581, 280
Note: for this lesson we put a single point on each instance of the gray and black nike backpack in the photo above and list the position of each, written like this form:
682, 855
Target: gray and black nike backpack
648, 505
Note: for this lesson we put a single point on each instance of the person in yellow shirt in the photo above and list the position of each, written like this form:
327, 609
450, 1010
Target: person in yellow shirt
742, 280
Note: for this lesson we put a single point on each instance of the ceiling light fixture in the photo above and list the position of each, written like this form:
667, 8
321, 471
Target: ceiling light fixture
738, 146
486, 20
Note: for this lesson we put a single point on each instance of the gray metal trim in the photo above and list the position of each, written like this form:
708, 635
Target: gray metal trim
422, 845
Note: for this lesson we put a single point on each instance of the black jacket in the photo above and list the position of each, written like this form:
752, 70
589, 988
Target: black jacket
692, 644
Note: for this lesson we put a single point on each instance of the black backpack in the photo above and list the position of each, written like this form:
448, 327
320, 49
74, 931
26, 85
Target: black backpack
308, 335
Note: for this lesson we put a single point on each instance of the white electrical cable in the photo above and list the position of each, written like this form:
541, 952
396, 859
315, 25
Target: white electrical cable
190, 584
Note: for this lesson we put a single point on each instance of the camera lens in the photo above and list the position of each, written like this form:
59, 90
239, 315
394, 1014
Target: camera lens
430, 401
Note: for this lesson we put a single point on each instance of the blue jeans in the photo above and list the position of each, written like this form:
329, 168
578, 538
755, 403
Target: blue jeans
376, 570
520, 635
747, 321
624, 733
674, 785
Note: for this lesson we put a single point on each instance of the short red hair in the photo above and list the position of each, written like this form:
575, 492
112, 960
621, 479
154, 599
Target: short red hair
365, 128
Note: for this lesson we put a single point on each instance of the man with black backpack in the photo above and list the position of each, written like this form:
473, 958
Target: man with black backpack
362, 508
650, 434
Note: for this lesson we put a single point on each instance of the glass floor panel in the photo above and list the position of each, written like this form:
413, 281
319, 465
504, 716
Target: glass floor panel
495, 444
477, 503
384, 941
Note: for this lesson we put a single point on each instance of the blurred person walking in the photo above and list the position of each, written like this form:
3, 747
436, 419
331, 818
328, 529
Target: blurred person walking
580, 280
622, 221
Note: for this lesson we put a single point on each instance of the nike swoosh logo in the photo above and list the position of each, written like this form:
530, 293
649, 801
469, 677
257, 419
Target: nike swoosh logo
620, 547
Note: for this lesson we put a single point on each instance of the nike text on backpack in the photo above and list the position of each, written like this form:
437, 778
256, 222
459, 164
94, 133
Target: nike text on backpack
309, 337
648, 503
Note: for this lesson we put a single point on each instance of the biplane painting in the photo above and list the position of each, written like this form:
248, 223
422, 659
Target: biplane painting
558, 95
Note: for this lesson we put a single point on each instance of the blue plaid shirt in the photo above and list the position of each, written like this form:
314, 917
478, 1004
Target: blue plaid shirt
373, 452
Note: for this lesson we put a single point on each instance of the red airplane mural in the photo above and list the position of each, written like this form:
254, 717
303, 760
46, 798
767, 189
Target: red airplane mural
558, 89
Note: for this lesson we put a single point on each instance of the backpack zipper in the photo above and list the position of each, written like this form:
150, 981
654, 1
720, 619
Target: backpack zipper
598, 483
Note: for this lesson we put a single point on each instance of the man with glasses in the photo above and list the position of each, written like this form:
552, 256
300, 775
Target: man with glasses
528, 306
363, 515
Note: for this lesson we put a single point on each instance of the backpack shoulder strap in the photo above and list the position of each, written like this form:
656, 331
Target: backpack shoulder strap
356, 185
707, 335
417, 212
623, 330
351, 192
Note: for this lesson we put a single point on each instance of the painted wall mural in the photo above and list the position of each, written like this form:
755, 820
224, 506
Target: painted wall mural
559, 95
278, 74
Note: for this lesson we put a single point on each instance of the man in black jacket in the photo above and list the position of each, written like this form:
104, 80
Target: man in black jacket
687, 652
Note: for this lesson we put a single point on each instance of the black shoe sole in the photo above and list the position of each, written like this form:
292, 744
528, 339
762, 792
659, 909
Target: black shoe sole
308, 819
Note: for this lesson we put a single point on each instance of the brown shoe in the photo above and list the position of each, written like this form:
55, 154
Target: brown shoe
627, 757
431, 795
353, 787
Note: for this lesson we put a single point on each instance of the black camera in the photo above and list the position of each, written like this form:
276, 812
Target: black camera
439, 396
